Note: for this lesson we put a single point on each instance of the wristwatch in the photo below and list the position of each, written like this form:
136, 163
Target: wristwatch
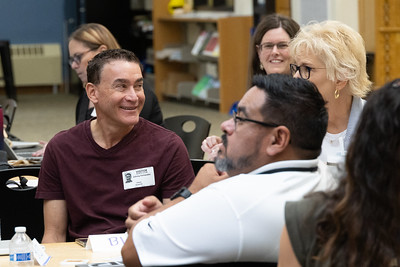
183, 192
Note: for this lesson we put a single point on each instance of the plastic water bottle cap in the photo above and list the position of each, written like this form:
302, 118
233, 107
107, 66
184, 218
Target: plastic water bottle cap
20, 229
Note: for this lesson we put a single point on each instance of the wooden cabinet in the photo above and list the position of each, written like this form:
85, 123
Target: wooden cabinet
232, 63
387, 54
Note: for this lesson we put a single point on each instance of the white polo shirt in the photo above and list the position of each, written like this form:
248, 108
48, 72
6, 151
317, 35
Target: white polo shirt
237, 219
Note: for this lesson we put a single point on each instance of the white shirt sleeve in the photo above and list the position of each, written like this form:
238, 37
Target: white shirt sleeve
190, 232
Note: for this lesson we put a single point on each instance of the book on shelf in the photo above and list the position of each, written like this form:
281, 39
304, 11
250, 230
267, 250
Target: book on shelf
200, 43
206, 44
211, 48
203, 85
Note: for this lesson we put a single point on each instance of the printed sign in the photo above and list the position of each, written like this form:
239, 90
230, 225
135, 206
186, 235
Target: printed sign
39, 253
107, 242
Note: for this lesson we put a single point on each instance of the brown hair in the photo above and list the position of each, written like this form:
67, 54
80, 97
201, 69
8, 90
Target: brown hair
269, 22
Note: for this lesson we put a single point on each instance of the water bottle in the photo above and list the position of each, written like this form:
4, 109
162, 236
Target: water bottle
21, 253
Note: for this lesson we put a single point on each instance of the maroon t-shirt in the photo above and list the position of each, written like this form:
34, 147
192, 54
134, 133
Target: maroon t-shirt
92, 179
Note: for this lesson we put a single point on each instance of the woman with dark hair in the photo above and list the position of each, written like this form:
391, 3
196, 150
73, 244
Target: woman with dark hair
269, 46
357, 224
269, 54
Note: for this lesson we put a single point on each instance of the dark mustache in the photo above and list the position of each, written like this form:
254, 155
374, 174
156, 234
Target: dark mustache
224, 140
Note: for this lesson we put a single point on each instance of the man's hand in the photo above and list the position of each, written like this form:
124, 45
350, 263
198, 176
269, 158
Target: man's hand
207, 175
40, 152
140, 209
211, 145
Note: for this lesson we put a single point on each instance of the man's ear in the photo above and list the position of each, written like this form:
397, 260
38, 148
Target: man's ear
280, 139
91, 92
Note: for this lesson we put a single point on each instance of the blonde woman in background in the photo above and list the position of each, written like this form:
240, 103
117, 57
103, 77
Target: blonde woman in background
83, 44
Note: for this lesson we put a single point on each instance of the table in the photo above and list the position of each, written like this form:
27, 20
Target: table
70, 250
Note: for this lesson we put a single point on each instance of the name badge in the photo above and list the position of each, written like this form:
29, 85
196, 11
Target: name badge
138, 178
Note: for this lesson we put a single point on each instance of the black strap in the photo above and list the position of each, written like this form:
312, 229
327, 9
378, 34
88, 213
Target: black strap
299, 169
23, 183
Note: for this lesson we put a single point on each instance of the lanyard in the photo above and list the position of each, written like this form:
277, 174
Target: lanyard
299, 169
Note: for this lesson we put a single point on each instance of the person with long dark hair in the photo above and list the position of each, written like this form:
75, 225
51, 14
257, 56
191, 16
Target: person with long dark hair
357, 224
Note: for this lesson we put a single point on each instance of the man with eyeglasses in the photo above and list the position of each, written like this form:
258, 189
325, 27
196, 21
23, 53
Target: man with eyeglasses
270, 149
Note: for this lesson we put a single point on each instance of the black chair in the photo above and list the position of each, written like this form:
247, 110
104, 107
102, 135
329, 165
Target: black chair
7, 69
198, 163
9, 107
191, 137
18, 206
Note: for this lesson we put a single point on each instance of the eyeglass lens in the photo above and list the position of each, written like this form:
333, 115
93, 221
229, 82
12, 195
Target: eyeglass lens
270, 46
77, 57
304, 71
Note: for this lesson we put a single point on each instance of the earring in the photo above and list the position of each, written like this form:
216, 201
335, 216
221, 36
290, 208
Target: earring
337, 94
261, 67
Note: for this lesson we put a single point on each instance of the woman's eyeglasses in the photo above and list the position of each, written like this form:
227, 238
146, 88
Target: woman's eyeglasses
303, 70
269, 46
77, 57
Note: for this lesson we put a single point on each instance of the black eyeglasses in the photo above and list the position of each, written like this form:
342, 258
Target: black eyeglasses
303, 70
236, 118
78, 57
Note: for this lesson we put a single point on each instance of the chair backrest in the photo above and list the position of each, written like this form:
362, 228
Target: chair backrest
8, 77
18, 206
191, 137
198, 163
9, 107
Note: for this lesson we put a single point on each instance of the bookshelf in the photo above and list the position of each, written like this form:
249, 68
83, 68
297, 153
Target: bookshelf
232, 63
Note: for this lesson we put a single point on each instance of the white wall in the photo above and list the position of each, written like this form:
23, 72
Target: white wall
243, 7
346, 11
